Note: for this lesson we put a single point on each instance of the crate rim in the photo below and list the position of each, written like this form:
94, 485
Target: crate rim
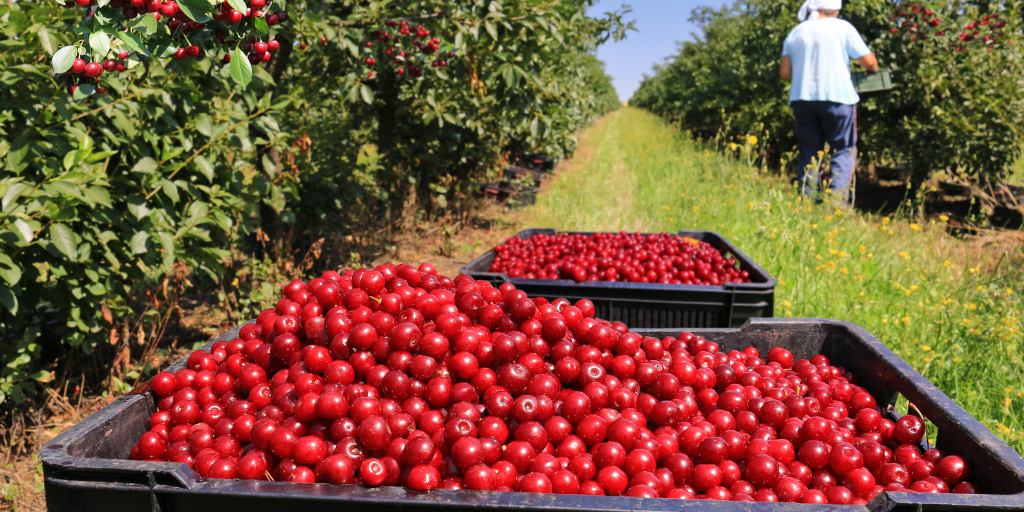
55, 457
741, 257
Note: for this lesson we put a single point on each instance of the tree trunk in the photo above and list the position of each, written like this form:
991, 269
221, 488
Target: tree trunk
387, 108
281, 57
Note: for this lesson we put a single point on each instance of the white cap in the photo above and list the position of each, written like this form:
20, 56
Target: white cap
810, 8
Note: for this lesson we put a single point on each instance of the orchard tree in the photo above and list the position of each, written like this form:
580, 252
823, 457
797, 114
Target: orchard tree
956, 67
143, 144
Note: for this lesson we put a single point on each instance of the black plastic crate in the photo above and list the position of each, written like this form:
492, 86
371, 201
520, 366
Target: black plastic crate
86, 468
538, 162
509, 194
519, 173
653, 305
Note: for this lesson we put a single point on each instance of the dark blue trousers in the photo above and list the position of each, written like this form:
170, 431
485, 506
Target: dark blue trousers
818, 122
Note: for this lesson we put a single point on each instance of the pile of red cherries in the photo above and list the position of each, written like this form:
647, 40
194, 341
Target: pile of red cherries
399, 376
634, 257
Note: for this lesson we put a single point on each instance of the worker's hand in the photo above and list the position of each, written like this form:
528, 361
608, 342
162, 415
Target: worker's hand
869, 63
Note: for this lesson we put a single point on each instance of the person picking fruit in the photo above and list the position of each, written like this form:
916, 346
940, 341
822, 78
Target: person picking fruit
816, 61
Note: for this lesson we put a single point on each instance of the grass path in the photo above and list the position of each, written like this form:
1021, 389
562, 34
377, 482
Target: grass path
598, 190
949, 307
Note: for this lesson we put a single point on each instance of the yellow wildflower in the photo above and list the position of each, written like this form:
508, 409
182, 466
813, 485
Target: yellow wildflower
752, 140
915, 227
943, 218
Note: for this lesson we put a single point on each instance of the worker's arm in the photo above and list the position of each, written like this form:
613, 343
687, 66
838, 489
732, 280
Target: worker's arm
786, 69
869, 63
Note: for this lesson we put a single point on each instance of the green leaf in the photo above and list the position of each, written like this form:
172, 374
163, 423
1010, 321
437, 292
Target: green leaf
46, 39
11, 194
98, 195
64, 59
241, 70
204, 166
196, 10
168, 245
122, 123
261, 26
170, 189
84, 91
24, 229
10, 272
204, 125
64, 240
100, 44
16, 155
9, 300
138, 243
66, 188
145, 24
197, 210
146, 165
366, 93
492, 29
133, 41
238, 5
106, 15
138, 207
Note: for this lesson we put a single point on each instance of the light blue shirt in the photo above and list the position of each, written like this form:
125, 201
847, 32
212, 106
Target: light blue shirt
820, 51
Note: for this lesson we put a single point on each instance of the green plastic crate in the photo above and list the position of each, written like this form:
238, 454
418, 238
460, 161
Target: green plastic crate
878, 82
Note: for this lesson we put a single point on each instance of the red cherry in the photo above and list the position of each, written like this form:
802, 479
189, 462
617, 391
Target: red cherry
424, 478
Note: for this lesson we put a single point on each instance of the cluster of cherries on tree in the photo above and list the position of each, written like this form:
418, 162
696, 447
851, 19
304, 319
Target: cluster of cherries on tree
92, 70
918, 21
634, 257
399, 376
256, 50
401, 56
180, 26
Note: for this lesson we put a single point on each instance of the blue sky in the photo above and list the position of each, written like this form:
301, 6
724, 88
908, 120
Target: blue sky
661, 23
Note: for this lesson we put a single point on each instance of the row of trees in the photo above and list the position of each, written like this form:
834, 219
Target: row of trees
115, 188
957, 105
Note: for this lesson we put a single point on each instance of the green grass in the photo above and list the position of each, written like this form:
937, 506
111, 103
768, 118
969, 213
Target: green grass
951, 308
